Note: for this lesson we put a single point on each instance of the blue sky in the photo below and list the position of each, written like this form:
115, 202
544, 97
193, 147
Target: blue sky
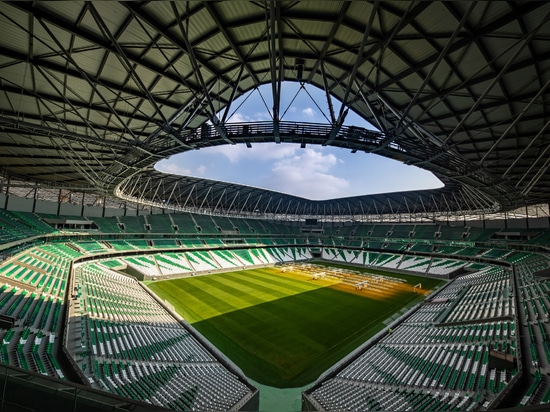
315, 172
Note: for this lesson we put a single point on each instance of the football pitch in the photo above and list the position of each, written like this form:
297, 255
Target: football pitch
283, 329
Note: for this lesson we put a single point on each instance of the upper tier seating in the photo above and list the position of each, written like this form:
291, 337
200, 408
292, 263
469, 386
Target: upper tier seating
107, 224
206, 224
133, 224
16, 226
401, 231
184, 223
160, 223
224, 223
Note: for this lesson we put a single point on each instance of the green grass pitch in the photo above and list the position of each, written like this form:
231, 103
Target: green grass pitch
280, 330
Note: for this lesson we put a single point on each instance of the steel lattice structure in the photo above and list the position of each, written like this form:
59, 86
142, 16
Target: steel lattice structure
93, 94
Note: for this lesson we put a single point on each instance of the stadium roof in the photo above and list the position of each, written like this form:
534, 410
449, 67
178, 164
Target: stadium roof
93, 94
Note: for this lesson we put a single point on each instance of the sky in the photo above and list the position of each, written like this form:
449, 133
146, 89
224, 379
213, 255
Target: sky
314, 172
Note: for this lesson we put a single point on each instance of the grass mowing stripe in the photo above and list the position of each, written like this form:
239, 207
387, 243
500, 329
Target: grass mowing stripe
233, 295
187, 305
286, 330
210, 296
215, 295
274, 279
280, 347
274, 316
271, 286
278, 314
249, 286
306, 342
266, 345
192, 300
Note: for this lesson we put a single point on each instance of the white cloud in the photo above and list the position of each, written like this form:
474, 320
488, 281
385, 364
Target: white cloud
243, 118
307, 174
259, 151
173, 168
238, 118
201, 170
308, 112
309, 158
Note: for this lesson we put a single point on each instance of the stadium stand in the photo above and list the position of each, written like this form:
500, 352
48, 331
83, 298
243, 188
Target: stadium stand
224, 224
184, 223
243, 226
160, 224
133, 224
438, 356
129, 345
106, 225
205, 224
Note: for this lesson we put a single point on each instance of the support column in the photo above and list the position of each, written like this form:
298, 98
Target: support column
59, 197
82, 204
7, 194
34, 196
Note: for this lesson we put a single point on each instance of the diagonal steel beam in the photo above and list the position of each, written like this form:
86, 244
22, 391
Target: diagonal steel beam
329, 40
518, 51
77, 74
531, 142
63, 97
274, 27
440, 57
85, 76
233, 44
70, 27
414, 9
358, 61
493, 26
516, 120
374, 113
233, 94
198, 74
43, 130
352, 77
327, 94
124, 60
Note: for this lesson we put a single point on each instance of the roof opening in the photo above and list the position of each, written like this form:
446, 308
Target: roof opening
311, 171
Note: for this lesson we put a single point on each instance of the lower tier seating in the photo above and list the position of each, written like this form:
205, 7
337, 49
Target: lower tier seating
130, 345
437, 358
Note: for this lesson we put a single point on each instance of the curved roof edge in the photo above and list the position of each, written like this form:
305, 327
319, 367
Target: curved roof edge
194, 194
467, 187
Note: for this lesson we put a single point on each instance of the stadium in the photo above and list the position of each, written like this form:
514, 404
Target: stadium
124, 288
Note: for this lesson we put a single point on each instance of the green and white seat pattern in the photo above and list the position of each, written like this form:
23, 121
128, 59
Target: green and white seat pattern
35, 304
132, 346
430, 361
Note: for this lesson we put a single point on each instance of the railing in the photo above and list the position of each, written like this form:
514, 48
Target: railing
207, 132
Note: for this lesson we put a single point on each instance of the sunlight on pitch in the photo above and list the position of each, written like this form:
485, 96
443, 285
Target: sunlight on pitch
309, 276
372, 286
